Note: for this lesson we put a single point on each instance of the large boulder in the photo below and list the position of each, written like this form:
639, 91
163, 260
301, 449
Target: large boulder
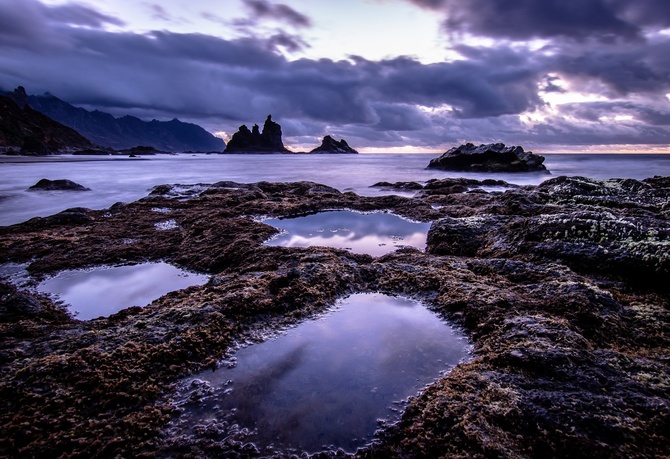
494, 157
330, 145
57, 185
255, 141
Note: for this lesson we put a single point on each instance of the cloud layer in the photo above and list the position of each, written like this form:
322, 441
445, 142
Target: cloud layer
611, 53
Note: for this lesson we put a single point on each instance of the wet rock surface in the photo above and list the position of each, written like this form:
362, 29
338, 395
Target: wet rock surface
562, 288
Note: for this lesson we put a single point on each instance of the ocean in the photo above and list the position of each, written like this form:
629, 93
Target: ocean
115, 179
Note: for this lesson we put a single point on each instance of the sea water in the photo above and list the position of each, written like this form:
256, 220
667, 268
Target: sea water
113, 179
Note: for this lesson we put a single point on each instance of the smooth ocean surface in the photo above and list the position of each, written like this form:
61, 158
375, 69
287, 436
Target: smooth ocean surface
114, 179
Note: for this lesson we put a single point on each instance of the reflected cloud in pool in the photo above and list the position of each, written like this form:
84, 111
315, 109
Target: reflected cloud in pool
375, 233
328, 381
106, 290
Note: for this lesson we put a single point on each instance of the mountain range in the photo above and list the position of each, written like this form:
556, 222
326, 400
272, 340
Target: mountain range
26, 131
121, 133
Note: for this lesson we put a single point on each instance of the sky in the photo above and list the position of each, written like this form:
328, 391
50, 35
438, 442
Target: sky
386, 75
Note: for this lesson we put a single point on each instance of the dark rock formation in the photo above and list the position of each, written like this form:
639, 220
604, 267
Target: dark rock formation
562, 289
254, 141
494, 157
29, 132
61, 184
330, 145
124, 132
141, 150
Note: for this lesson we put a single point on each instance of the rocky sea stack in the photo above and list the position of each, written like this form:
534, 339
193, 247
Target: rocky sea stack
493, 157
254, 141
330, 145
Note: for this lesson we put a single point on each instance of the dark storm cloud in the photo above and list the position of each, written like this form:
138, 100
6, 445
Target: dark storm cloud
643, 12
526, 19
624, 69
30, 24
20, 23
278, 11
574, 19
400, 117
430, 4
596, 111
224, 83
487, 84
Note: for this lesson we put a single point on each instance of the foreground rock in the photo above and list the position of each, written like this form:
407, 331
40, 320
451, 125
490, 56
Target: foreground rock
57, 185
330, 145
494, 157
562, 288
255, 141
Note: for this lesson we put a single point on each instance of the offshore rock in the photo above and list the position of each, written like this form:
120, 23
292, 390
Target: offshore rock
330, 145
494, 157
267, 141
561, 287
59, 185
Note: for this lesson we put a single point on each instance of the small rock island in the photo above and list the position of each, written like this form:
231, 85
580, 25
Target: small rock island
57, 185
255, 141
493, 157
330, 145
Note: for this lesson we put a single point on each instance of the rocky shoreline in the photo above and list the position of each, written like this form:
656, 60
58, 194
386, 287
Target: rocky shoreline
562, 288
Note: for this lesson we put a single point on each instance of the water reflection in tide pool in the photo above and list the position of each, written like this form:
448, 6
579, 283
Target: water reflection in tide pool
375, 234
106, 290
328, 381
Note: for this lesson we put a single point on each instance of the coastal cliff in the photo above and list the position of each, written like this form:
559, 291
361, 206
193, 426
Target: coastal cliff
29, 132
126, 131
